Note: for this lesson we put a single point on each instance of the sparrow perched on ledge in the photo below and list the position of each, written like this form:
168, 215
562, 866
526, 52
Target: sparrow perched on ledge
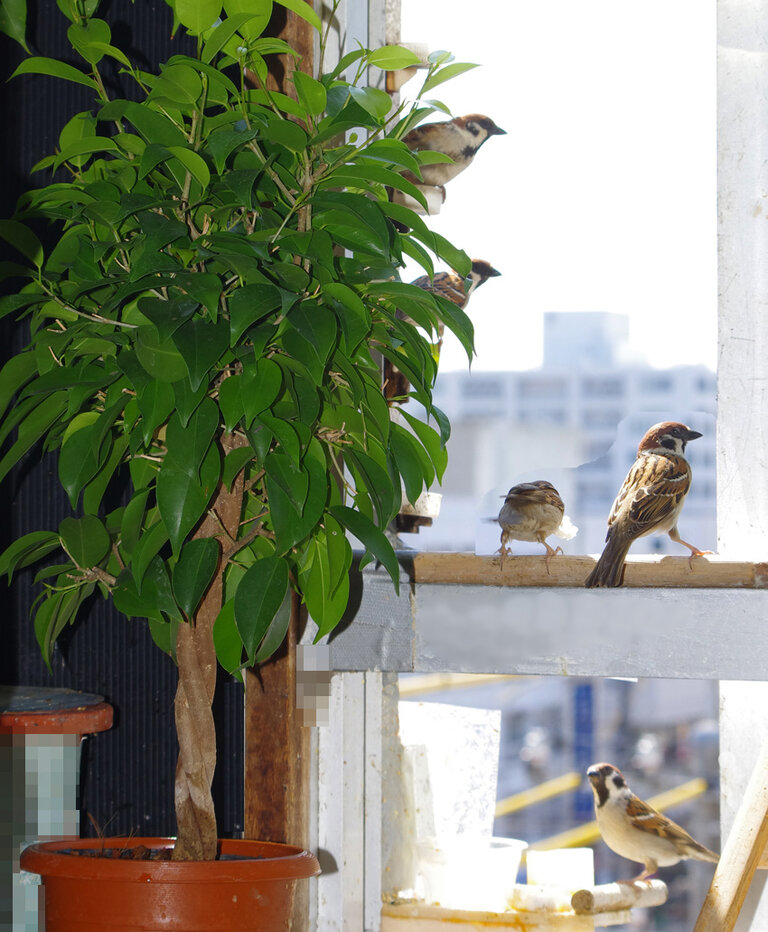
637, 831
448, 285
532, 511
649, 501
459, 138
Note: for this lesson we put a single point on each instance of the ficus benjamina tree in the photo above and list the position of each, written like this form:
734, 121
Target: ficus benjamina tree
206, 324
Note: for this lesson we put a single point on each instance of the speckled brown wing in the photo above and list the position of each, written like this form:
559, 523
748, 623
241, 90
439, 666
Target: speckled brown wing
539, 492
650, 820
446, 284
651, 495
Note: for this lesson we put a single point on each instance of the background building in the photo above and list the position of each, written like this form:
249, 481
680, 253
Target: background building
576, 421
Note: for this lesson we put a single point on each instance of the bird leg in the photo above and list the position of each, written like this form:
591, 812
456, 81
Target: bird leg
503, 550
695, 552
648, 870
551, 552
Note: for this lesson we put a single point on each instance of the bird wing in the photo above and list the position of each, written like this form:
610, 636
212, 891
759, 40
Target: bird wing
535, 493
651, 494
648, 819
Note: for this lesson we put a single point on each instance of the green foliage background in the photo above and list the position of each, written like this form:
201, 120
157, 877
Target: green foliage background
223, 284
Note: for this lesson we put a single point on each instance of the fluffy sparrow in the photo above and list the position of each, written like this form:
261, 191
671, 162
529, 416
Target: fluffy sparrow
532, 511
649, 501
459, 138
448, 285
635, 830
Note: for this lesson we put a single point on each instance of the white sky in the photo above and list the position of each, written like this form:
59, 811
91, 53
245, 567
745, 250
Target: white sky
602, 196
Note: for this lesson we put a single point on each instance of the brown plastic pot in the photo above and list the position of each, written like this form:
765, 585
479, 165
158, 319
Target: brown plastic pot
251, 890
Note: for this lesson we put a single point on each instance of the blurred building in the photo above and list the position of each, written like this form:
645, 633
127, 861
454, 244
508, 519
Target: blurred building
576, 421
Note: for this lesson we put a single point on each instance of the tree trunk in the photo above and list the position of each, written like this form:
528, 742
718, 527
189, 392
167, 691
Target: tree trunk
196, 658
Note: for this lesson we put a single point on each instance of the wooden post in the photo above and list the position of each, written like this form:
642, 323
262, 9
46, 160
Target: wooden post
276, 743
741, 854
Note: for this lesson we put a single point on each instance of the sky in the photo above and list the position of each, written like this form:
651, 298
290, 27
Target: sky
602, 195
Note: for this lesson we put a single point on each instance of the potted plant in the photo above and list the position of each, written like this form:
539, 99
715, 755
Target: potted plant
205, 342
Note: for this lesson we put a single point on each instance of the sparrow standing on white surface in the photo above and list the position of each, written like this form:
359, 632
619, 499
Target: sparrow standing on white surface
532, 511
649, 501
637, 831
459, 138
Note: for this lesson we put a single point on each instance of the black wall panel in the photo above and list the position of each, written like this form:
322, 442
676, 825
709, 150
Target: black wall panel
127, 773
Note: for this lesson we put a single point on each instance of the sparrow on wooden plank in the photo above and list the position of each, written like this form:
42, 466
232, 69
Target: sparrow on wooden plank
532, 511
649, 501
637, 831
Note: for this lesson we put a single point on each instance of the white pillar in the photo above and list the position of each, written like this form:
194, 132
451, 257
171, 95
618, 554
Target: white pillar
742, 426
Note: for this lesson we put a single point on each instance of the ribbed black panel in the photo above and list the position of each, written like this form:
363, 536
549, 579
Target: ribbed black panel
127, 774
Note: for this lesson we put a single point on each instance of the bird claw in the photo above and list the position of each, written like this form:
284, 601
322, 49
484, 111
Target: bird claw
697, 553
504, 552
549, 554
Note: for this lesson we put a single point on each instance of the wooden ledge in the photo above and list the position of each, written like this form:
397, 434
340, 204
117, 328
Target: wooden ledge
710, 572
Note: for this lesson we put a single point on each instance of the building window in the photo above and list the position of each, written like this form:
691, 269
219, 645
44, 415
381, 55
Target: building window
656, 384
601, 417
542, 388
602, 387
479, 387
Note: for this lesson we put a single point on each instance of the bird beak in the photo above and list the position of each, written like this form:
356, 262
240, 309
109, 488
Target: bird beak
693, 435
494, 272
498, 131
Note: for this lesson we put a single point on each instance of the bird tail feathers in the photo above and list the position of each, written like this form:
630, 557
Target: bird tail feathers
609, 570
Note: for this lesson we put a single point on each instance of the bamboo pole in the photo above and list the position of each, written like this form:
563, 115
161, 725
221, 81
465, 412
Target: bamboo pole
743, 850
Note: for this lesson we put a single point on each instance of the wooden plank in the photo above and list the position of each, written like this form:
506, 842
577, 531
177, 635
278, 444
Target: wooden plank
710, 572
741, 854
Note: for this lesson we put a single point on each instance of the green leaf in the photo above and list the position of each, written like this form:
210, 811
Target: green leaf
371, 538
27, 550
393, 57
132, 521
234, 462
409, 462
34, 427
445, 74
201, 343
155, 127
54, 69
193, 163
13, 21
23, 239
156, 401
372, 100
85, 37
193, 572
181, 499
160, 358
197, 15
431, 442
257, 14
259, 595
249, 304
312, 94
277, 630
14, 374
227, 641
188, 444
304, 10
85, 539
148, 545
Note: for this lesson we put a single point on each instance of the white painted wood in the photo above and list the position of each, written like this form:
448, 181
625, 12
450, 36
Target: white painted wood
742, 425
373, 810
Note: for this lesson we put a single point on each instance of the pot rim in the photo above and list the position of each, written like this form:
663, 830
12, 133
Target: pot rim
257, 861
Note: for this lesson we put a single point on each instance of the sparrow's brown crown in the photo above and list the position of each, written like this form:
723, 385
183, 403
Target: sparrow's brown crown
668, 435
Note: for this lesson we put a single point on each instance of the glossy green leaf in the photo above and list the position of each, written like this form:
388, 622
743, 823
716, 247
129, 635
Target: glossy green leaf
160, 358
181, 499
27, 550
431, 441
259, 595
132, 521
34, 427
304, 10
197, 15
201, 343
445, 74
13, 21
409, 461
393, 57
85, 539
193, 163
312, 94
147, 547
22, 238
227, 641
277, 630
188, 444
250, 304
156, 401
234, 462
193, 572
89, 37
371, 537
55, 69
372, 100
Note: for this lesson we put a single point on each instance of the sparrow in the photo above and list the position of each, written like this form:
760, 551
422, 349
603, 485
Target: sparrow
459, 138
448, 285
637, 831
532, 511
649, 501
